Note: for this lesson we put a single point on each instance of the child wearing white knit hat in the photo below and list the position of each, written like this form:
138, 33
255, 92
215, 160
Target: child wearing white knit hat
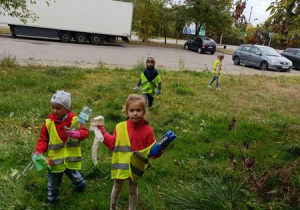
65, 155
63, 98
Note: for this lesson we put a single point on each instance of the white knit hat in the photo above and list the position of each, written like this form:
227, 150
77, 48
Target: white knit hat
63, 98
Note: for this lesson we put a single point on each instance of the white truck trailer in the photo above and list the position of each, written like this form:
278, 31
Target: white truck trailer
94, 21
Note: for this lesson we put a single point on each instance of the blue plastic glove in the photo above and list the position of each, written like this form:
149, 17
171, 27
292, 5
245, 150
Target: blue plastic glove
158, 92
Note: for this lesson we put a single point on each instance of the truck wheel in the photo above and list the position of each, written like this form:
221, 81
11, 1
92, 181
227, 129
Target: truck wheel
96, 39
65, 36
80, 38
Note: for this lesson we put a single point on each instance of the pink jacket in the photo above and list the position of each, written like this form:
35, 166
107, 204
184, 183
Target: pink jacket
141, 135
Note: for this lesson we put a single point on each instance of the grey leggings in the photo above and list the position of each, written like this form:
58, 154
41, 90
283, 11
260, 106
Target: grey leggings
117, 188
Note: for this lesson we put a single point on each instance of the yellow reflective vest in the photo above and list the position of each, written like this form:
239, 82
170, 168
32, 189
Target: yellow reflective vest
63, 155
215, 65
149, 87
125, 163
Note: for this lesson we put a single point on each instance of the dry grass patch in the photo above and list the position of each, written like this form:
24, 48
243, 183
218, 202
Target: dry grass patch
4, 30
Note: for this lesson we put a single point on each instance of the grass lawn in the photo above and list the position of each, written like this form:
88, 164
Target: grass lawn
235, 149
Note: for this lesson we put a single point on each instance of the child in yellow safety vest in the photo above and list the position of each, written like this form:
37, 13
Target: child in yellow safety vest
150, 82
216, 72
131, 143
64, 153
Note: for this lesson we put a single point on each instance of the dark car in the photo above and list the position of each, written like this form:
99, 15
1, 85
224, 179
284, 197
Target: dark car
201, 44
263, 57
293, 54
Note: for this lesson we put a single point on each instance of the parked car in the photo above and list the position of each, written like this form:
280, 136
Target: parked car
293, 54
263, 57
201, 44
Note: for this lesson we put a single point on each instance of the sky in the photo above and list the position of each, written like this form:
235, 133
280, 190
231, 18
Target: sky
258, 10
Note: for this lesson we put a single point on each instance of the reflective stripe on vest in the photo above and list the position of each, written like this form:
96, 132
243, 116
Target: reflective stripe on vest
58, 146
58, 161
216, 63
122, 149
55, 146
137, 172
73, 159
63, 155
120, 166
140, 156
149, 87
126, 163
73, 144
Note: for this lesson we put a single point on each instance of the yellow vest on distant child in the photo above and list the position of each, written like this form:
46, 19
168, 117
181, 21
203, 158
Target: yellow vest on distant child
63, 155
216, 63
149, 87
125, 163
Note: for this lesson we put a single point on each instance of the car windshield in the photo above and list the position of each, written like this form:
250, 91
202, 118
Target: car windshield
208, 41
269, 51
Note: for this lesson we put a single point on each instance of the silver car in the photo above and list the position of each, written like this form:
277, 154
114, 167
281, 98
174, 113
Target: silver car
263, 57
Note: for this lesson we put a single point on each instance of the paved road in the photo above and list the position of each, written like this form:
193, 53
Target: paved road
54, 53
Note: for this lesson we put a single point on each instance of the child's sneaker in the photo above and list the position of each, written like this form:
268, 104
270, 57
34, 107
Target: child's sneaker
208, 86
218, 88
81, 187
51, 202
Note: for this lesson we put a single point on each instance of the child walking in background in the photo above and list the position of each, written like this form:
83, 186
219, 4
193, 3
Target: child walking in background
150, 82
65, 155
216, 72
131, 143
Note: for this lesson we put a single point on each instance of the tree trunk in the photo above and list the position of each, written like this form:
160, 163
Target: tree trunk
165, 33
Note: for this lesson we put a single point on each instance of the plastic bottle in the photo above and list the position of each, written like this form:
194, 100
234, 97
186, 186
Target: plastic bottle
82, 118
84, 115
41, 162
162, 143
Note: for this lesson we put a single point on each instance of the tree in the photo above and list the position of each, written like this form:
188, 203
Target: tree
18, 8
179, 19
165, 24
238, 15
253, 34
146, 18
284, 21
210, 12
